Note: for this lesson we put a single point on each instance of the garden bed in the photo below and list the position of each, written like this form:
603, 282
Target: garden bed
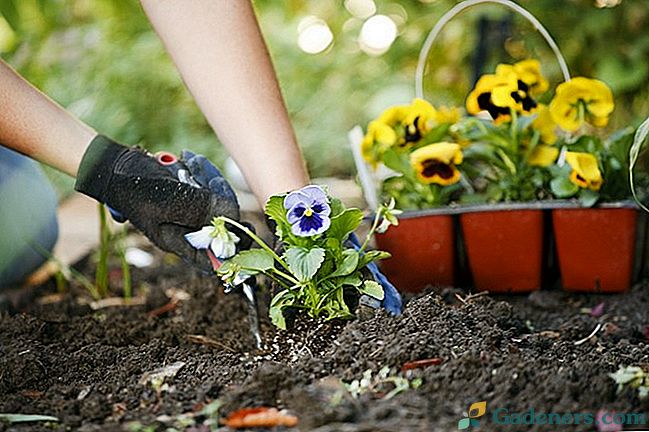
88, 367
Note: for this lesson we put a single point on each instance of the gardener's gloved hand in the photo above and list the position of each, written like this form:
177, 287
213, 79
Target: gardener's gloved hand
153, 197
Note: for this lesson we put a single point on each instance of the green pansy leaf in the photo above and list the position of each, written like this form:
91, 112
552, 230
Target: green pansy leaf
494, 192
349, 264
372, 289
372, 256
562, 187
352, 280
344, 224
254, 259
435, 135
275, 210
337, 207
588, 197
277, 317
342, 306
560, 171
463, 423
396, 162
304, 263
275, 311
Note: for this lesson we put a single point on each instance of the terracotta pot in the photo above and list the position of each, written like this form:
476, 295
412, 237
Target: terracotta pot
504, 249
423, 252
596, 248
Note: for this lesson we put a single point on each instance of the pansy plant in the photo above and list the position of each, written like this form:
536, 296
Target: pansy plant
411, 141
316, 266
591, 166
526, 150
511, 146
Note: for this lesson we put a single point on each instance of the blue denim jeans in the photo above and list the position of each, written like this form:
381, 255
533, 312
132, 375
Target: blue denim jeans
28, 226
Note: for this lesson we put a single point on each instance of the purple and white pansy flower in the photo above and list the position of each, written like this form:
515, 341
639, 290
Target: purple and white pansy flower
308, 211
221, 242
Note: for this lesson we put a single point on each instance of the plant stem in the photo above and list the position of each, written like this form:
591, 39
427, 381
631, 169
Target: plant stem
507, 161
324, 297
514, 129
279, 281
286, 276
434, 194
101, 274
375, 224
126, 273
256, 238
59, 277
313, 294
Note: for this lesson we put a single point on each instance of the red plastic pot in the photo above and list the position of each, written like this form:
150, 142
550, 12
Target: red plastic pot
423, 252
596, 248
504, 249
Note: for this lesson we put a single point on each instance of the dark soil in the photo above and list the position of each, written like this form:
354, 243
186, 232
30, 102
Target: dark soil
86, 367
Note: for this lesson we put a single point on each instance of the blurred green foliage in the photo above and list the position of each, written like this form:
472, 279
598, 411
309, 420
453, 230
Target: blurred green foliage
102, 60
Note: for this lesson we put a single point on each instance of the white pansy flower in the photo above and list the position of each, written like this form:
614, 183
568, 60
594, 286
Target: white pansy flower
216, 237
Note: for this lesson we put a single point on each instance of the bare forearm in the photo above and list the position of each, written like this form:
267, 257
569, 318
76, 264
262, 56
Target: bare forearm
36, 126
221, 55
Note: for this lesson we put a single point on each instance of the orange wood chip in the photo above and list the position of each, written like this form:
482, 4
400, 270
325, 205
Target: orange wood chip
418, 364
262, 417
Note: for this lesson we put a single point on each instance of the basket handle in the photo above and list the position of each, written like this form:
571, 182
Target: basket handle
638, 141
430, 39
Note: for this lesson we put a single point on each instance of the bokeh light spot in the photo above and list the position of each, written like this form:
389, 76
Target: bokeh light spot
377, 34
361, 8
314, 35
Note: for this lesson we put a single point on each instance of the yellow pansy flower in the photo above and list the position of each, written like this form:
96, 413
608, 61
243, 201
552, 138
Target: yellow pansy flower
582, 100
393, 115
500, 93
520, 95
447, 115
585, 170
377, 140
529, 71
543, 155
436, 163
419, 118
545, 124
492, 93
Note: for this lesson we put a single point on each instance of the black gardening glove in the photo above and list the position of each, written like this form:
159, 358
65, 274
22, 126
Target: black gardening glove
163, 199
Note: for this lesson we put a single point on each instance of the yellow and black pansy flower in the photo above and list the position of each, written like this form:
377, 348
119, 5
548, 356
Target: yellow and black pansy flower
481, 97
529, 72
522, 94
436, 163
420, 117
510, 88
585, 170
